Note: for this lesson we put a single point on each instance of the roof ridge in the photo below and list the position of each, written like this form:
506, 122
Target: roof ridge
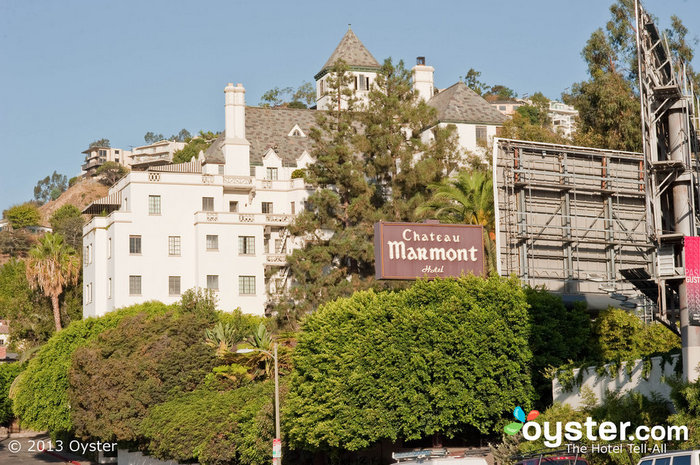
353, 52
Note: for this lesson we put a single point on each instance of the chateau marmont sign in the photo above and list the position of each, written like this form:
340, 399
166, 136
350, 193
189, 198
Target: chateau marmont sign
427, 250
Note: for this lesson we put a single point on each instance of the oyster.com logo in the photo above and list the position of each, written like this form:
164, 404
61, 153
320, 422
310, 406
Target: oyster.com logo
519, 414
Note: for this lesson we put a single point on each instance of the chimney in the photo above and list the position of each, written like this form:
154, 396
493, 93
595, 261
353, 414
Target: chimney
236, 148
235, 111
423, 79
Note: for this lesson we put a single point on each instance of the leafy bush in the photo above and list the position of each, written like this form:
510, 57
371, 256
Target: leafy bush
299, 173
111, 172
42, 402
213, 427
68, 222
145, 360
8, 373
558, 334
21, 216
619, 335
74, 180
435, 359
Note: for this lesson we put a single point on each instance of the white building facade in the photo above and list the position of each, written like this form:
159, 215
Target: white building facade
220, 222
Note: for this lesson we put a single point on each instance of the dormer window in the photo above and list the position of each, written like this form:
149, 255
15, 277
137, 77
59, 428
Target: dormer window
296, 132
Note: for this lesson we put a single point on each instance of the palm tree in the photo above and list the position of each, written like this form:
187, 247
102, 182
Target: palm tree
466, 199
52, 265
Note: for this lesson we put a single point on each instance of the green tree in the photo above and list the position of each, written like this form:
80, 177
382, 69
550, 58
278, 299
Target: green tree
50, 187
152, 138
303, 97
370, 165
23, 215
28, 310
437, 359
143, 361
41, 401
52, 265
619, 336
68, 221
466, 199
110, 172
194, 146
393, 125
608, 103
471, 79
500, 92
341, 261
100, 143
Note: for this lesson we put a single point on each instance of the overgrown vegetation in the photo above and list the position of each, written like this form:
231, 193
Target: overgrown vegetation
437, 359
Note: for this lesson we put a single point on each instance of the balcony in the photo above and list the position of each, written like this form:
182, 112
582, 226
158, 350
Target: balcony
275, 259
267, 219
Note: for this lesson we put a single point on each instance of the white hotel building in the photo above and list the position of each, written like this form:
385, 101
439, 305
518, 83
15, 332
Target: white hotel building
220, 221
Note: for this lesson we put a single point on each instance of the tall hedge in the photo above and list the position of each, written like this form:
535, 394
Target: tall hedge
438, 358
143, 361
8, 373
213, 427
41, 402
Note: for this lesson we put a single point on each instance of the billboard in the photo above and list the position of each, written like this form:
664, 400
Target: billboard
427, 250
692, 278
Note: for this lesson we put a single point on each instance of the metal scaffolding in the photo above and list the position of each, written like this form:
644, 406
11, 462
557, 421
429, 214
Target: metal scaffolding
572, 219
670, 150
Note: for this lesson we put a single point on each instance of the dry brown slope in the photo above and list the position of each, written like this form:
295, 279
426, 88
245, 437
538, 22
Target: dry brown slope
81, 195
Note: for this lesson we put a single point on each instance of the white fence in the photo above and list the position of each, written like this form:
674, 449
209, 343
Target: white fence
622, 383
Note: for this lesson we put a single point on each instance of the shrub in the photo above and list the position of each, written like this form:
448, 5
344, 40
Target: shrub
8, 373
213, 427
143, 361
22, 216
41, 402
558, 334
435, 359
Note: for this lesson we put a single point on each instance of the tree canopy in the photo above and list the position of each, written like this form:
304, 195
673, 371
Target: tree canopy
110, 172
41, 401
50, 188
370, 165
100, 143
441, 358
303, 97
195, 145
23, 215
145, 360
68, 221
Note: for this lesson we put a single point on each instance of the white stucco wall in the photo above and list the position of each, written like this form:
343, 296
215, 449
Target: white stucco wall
181, 215
621, 383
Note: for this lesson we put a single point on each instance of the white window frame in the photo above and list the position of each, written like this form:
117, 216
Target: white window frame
154, 205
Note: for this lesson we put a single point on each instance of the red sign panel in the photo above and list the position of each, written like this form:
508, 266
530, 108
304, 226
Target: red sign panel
692, 278
427, 250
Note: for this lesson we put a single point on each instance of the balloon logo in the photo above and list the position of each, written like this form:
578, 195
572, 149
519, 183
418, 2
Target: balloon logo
519, 414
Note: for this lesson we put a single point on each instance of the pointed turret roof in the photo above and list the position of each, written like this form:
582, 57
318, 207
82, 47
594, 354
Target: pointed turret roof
353, 52
459, 104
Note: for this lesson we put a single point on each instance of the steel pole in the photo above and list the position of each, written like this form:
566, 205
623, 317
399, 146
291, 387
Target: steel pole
276, 461
690, 335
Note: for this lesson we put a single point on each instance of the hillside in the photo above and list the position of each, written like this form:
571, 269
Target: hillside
80, 194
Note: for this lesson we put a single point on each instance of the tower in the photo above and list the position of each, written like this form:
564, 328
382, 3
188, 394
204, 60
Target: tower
362, 67
236, 148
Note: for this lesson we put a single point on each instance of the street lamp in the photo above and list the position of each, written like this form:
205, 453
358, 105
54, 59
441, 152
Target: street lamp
273, 354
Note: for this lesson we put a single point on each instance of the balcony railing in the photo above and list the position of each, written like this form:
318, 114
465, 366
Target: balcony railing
270, 219
275, 259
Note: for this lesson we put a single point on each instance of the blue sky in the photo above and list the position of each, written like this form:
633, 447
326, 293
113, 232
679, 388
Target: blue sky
78, 70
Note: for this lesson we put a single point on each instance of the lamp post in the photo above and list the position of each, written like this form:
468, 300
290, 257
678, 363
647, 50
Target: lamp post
273, 354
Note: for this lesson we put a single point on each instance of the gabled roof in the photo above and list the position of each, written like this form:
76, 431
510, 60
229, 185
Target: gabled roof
353, 52
460, 104
269, 128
